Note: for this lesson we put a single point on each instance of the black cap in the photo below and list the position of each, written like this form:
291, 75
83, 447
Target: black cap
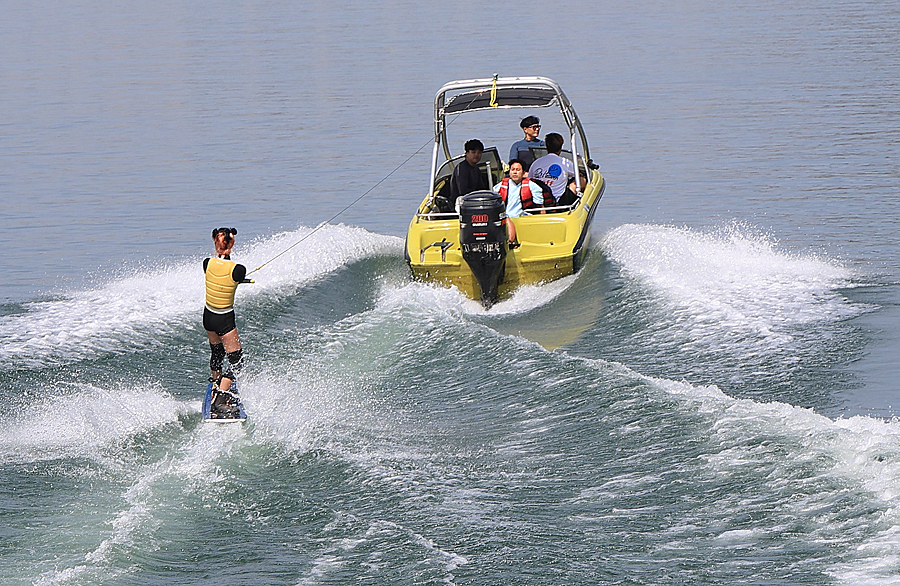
226, 231
529, 121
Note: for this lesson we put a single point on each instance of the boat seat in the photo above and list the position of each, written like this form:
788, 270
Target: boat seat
531, 155
567, 198
442, 197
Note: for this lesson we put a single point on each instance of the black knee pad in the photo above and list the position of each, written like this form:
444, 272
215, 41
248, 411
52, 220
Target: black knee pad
216, 356
236, 360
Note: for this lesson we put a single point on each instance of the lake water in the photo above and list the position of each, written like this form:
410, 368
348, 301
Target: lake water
711, 400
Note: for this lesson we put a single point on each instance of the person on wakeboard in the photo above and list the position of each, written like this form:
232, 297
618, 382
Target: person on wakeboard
222, 278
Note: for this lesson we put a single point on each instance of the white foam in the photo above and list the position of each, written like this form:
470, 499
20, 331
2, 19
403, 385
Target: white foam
732, 282
858, 451
433, 297
528, 297
82, 423
194, 464
126, 312
294, 414
426, 297
381, 534
326, 250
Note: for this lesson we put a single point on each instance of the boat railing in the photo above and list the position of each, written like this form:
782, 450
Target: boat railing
553, 209
536, 212
438, 215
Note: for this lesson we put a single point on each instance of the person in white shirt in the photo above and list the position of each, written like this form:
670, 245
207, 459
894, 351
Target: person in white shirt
552, 169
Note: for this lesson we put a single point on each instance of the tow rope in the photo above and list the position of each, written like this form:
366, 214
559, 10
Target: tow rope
368, 191
347, 207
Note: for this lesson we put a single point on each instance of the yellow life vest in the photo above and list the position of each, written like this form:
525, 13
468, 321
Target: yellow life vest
220, 286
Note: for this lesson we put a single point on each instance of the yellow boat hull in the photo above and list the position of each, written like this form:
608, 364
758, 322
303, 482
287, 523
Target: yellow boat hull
553, 246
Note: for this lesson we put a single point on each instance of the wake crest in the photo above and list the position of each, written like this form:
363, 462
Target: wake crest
127, 313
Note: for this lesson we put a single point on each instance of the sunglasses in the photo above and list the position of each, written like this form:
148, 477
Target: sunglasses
225, 231
535, 126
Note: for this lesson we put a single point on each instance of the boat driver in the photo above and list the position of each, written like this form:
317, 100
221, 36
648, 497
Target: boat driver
467, 177
521, 150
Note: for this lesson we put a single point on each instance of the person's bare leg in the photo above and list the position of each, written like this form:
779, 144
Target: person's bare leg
511, 230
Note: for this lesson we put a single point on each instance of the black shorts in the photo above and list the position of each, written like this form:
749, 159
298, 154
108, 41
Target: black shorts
220, 323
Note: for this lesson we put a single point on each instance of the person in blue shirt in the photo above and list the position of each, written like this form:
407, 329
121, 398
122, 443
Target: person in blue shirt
521, 150
516, 190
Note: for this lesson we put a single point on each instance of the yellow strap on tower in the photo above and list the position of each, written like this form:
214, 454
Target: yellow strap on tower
494, 103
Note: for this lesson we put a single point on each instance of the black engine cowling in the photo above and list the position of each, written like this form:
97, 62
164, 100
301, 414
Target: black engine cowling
482, 235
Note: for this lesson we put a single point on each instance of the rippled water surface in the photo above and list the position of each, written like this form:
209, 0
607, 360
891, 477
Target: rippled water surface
711, 400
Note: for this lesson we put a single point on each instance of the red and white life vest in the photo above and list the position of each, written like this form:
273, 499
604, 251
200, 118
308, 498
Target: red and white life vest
524, 192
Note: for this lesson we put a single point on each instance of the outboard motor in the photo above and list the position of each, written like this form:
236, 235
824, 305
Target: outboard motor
482, 234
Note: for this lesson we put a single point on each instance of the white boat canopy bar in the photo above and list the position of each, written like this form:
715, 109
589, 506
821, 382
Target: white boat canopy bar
472, 95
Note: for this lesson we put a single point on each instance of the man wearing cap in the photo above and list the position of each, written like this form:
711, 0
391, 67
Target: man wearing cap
521, 150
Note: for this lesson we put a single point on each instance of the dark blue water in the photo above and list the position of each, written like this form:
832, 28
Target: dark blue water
711, 400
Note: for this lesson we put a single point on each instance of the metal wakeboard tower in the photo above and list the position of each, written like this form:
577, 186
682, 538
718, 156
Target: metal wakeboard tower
473, 95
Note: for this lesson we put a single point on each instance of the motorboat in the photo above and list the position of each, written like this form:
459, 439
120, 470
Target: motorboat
466, 246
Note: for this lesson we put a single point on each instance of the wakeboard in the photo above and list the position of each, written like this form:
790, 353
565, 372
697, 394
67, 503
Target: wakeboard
207, 413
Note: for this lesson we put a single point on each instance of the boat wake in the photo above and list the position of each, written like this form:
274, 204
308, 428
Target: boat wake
128, 313
432, 297
416, 420
721, 286
831, 480
86, 420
